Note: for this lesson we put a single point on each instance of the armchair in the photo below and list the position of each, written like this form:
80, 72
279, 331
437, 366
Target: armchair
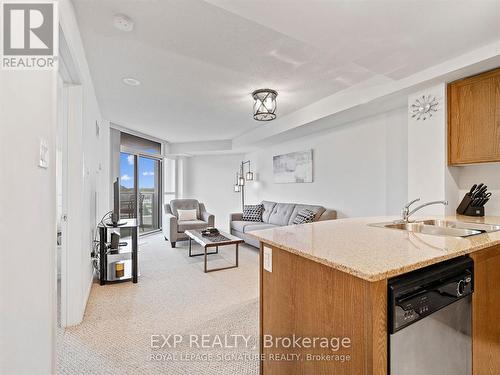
173, 229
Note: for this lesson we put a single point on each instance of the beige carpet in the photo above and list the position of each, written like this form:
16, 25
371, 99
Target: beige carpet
173, 296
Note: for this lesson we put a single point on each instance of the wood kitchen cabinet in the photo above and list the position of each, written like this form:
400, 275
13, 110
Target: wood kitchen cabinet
308, 299
486, 312
474, 119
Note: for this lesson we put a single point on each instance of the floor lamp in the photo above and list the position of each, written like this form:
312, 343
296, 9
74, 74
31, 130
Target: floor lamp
241, 177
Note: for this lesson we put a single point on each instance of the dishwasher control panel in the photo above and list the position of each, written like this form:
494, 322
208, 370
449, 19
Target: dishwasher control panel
418, 294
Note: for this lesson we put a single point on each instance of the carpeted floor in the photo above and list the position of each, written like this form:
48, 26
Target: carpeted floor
173, 296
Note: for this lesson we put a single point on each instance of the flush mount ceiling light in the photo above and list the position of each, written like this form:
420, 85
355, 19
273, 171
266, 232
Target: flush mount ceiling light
424, 107
264, 108
123, 23
131, 81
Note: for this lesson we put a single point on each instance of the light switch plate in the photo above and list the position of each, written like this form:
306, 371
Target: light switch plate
44, 154
268, 259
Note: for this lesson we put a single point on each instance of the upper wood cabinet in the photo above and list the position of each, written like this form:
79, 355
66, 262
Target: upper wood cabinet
474, 119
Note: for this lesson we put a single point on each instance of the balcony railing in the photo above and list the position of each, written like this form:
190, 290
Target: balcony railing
148, 209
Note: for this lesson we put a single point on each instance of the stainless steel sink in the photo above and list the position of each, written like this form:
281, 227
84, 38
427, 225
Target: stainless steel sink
463, 225
441, 227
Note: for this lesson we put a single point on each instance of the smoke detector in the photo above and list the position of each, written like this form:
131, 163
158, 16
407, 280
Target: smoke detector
123, 23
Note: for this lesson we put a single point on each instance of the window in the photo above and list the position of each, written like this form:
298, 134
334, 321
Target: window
140, 181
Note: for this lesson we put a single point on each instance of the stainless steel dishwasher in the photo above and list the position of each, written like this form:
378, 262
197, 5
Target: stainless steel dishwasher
430, 320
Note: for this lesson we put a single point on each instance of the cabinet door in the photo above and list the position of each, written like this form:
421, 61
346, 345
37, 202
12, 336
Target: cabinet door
474, 119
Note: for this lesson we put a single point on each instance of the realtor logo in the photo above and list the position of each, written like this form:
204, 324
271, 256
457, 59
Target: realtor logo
29, 35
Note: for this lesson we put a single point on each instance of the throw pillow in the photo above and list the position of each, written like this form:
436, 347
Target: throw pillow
186, 215
304, 216
252, 212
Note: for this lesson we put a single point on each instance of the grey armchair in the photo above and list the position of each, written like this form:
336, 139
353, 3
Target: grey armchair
173, 229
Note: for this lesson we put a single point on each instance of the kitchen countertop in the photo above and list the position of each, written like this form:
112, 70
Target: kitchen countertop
372, 253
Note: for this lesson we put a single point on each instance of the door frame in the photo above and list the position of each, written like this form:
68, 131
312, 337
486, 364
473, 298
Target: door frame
71, 104
160, 189
158, 158
62, 169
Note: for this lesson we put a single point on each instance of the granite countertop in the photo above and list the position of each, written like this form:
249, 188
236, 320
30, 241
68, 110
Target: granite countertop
373, 253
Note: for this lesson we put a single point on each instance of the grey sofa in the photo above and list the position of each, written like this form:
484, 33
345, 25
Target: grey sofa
173, 229
274, 215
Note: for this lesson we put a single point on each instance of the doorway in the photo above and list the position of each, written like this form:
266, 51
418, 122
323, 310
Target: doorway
69, 189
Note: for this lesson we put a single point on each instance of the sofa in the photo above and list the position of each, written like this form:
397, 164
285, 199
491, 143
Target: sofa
274, 215
173, 229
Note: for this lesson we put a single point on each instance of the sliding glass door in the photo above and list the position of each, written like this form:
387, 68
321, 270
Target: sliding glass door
140, 190
149, 194
128, 191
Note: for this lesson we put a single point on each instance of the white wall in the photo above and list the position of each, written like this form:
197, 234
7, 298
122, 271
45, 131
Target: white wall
27, 222
360, 168
428, 174
28, 112
430, 177
210, 179
489, 174
92, 197
181, 177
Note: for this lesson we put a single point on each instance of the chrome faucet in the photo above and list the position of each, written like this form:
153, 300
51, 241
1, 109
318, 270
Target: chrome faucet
406, 213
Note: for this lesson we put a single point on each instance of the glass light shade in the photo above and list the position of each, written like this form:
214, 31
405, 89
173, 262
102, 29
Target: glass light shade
237, 188
241, 181
249, 176
264, 108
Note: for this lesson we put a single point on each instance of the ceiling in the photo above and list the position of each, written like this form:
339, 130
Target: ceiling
198, 61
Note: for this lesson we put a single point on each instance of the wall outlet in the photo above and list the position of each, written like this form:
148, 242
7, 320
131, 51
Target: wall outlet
268, 259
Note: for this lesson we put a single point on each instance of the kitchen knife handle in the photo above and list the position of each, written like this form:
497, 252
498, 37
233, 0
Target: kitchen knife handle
480, 192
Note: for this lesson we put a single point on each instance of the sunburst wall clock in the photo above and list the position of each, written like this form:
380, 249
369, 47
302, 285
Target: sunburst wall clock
424, 107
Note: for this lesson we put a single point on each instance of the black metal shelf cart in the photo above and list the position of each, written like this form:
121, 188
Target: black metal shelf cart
131, 272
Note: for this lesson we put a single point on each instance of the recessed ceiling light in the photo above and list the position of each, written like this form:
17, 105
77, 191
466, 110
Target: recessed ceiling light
123, 22
131, 81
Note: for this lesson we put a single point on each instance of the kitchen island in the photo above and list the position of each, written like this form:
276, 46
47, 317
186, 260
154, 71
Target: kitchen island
328, 280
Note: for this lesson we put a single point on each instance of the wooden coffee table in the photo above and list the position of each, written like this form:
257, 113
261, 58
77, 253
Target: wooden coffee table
206, 242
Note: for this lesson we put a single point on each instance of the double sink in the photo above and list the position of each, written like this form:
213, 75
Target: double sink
438, 227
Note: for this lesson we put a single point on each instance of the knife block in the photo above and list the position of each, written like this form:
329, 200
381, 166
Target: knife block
465, 207
474, 211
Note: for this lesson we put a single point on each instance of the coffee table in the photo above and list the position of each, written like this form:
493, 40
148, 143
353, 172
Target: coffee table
206, 242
